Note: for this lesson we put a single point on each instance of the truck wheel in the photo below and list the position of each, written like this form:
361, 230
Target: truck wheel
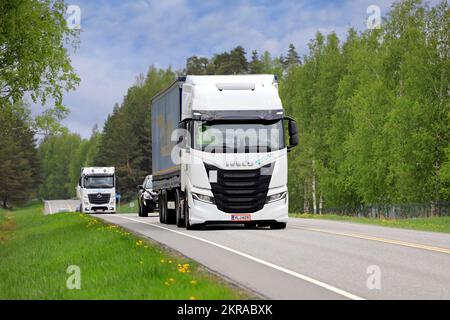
179, 208
144, 212
162, 208
278, 225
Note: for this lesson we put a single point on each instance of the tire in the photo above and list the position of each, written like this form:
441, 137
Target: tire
250, 225
144, 212
278, 225
162, 208
179, 200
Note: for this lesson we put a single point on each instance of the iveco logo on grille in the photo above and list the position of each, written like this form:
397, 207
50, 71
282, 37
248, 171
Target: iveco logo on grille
235, 163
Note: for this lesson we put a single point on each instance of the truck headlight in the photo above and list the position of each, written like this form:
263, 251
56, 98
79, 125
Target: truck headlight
203, 198
276, 197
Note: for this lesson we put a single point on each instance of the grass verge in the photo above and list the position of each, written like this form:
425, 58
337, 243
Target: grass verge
436, 224
36, 251
128, 207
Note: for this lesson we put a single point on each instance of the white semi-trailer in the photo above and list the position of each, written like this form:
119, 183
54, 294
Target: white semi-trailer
219, 151
96, 190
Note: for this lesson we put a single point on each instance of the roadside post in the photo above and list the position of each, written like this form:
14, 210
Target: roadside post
118, 196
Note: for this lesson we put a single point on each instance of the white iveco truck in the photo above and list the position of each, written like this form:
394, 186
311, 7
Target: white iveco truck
96, 190
220, 151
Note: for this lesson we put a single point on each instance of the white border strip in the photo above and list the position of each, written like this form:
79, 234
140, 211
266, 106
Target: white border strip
266, 263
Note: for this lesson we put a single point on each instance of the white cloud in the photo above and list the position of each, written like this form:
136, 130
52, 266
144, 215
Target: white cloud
123, 38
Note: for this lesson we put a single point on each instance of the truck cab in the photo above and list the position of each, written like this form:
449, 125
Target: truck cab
227, 163
96, 190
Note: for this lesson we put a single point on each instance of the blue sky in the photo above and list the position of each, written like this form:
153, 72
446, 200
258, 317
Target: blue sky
122, 38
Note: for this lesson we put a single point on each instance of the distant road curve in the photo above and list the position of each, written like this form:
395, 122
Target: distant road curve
55, 206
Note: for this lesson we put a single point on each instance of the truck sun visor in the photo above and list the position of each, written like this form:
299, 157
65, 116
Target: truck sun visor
209, 115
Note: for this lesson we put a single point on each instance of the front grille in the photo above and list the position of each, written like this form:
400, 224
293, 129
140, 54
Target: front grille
240, 191
99, 198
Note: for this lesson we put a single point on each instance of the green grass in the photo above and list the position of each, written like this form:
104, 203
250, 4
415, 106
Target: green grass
128, 207
436, 224
36, 250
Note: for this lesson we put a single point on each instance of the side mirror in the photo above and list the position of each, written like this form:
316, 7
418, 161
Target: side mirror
293, 133
182, 125
182, 139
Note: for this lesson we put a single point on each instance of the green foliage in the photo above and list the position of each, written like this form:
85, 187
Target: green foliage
373, 113
197, 66
33, 57
18, 157
235, 62
58, 155
435, 224
292, 59
61, 158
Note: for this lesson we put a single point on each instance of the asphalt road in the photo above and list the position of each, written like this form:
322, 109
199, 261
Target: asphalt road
314, 259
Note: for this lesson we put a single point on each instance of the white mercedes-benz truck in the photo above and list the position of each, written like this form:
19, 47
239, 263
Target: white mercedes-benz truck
220, 147
96, 190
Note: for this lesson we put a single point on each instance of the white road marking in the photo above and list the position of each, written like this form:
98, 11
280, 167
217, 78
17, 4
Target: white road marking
266, 263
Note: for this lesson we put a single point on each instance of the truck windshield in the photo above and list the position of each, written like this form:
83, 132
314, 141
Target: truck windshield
238, 137
97, 182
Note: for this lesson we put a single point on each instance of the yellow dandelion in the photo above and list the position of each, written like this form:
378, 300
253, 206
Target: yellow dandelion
192, 298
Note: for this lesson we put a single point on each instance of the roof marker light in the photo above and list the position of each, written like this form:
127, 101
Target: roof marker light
235, 86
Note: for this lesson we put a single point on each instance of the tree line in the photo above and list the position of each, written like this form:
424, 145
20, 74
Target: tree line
373, 113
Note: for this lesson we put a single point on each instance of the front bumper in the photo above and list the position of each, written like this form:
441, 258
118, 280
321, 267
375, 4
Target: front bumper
150, 203
201, 212
99, 209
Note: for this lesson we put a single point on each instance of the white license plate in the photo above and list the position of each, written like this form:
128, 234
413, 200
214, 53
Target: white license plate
241, 217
